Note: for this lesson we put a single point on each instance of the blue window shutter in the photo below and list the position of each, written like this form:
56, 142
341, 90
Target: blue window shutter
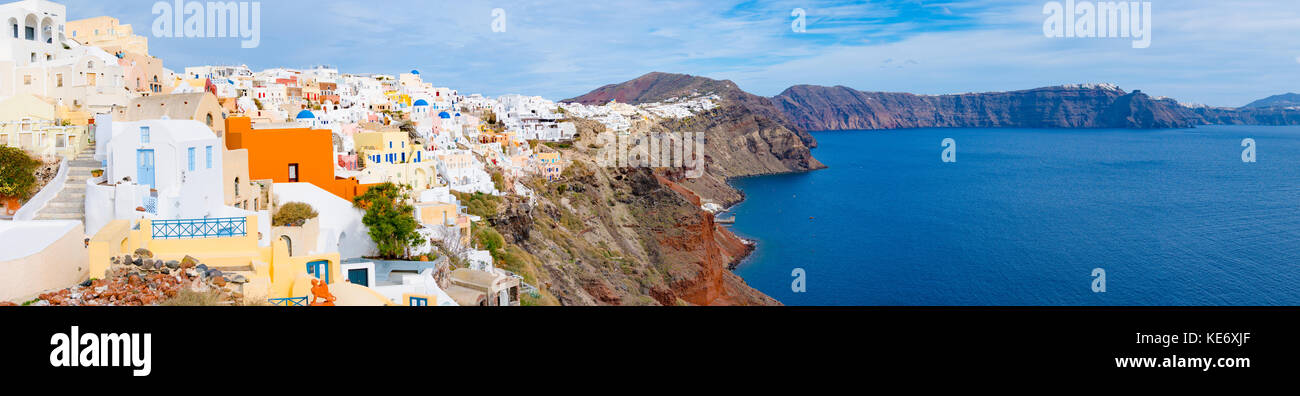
191, 152
209, 150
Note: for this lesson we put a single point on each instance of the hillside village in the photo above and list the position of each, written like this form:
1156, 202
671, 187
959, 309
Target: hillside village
126, 181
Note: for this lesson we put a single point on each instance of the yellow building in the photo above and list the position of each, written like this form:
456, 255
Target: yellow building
232, 246
200, 106
108, 34
441, 214
548, 163
387, 147
240, 190
38, 125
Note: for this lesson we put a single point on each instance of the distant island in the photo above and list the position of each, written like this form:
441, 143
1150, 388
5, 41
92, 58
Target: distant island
820, 108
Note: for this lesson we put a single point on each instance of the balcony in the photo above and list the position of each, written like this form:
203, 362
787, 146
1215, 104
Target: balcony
199, 228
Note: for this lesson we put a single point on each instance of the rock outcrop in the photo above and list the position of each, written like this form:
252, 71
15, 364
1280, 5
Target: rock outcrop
746, 134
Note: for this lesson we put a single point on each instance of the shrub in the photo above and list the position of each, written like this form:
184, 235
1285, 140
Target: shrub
479, 204
293, 214
17, 172
488, 238
499, 180
190, 298
390, 218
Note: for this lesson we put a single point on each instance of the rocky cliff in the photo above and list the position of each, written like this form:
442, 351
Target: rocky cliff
746, 135
1075, 106
1079, 106
621, 236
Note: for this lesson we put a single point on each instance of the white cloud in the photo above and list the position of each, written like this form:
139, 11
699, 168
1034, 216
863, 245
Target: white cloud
1201, 51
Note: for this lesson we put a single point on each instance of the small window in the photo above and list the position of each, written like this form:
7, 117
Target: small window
209, 150
144, 134
27, 79
59, 78
191, 157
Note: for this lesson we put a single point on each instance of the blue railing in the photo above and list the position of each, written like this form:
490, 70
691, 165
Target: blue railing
150, 204
200, 228
289, 302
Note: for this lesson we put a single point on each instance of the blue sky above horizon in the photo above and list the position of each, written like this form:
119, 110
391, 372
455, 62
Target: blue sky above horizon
1202, 51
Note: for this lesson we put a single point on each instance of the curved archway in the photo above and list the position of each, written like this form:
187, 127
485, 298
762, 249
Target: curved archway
421, 178
29, 27
47, 30
288, 243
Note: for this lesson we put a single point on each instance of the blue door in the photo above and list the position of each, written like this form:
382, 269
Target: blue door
419, 302
320, 270
145, 167
358, 276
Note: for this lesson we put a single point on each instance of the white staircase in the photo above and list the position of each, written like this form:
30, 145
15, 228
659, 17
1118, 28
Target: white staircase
70, 203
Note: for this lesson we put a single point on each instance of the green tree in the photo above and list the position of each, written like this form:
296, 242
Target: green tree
17, 172
391, 219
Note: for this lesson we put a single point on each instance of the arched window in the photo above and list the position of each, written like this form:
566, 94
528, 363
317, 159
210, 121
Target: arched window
236, 186
209, 120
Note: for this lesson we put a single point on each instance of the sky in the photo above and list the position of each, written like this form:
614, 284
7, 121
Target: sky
1213, 52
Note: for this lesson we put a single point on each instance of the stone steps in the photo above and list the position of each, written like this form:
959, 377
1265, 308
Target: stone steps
70, 203
60, 216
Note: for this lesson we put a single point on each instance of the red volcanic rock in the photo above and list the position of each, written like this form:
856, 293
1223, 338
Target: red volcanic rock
149, 287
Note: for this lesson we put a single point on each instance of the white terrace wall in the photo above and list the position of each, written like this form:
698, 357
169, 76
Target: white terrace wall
43, 256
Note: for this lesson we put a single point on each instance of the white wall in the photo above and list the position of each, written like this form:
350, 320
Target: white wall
40, 256
341, 228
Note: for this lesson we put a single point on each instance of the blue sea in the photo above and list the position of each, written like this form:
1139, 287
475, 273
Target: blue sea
1173, 217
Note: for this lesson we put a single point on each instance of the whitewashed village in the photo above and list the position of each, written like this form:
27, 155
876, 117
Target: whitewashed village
128, 181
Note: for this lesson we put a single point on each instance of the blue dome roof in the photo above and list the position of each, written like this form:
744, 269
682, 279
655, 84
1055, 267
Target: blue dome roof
444, 115
415, 72
305, 114
421, 102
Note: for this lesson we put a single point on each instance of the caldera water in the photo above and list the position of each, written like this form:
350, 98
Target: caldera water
1027, 216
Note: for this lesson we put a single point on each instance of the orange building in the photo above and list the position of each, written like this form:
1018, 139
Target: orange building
290, 155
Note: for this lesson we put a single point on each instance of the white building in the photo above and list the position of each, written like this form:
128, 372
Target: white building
37, 58
169, 168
